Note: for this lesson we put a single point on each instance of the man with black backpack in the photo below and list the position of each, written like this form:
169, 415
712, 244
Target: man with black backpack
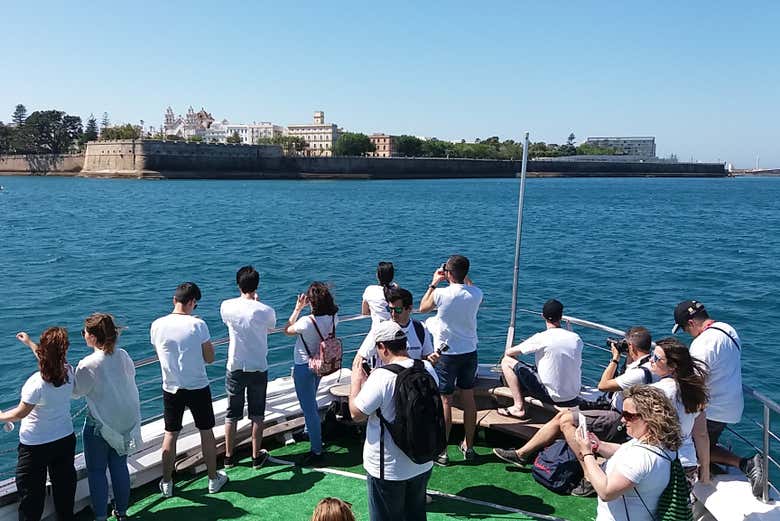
418, 339
405, 428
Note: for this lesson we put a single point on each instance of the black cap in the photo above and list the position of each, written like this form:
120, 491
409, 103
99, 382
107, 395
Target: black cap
552, 310
686, 310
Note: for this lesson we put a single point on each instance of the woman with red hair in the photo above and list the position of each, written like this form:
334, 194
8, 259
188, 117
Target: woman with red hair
46, 439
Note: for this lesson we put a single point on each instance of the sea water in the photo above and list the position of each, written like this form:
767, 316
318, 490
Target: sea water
621, 252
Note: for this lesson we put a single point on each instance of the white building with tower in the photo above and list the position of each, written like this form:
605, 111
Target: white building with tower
319, 136
191, 124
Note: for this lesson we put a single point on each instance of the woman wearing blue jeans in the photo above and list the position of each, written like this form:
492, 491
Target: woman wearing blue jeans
112, 427
310, 330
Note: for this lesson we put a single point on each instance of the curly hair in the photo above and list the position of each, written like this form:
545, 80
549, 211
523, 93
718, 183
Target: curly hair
663, 425
104, 329
321, 299
52, 350
333, 509
690, 374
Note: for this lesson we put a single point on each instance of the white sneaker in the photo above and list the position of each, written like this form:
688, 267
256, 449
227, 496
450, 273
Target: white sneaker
218, 482
166, 487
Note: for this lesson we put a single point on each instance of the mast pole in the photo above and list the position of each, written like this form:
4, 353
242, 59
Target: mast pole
510, 334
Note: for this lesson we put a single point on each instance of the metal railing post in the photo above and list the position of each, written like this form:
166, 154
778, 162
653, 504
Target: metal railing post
765, 459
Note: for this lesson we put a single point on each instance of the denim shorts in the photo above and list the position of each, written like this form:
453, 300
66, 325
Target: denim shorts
253, 384
456, 371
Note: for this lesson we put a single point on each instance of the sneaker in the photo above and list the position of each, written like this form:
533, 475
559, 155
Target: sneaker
300, 436
166, 487
468, 454
754, 470
311, 460
260, 460
510, 456
118, 516
584, 489
442, 459
229, 462
218, 482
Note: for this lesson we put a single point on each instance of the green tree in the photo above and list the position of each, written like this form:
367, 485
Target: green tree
409, 146
104, 122
195, 139
6, 139
570, 139
353, 144
291, 145
49, 132
20, 114
173, 137
126, 131
436, 148
90, 131
234, 139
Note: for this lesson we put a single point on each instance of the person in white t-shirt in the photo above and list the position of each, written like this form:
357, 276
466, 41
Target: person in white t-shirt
112, 427
683, 379
603, 423
375, 296
184, 347
418, 341
310, 331
718, 345
396, 490
248, 321
637, 471
454, 330
46, 439
556, 378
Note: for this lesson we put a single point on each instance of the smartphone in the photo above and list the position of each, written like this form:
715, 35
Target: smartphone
366, 367
582, 426
443, 348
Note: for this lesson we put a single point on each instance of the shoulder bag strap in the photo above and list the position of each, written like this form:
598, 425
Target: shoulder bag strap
381, 444
728, 335
314, 321
333, 330
305, 345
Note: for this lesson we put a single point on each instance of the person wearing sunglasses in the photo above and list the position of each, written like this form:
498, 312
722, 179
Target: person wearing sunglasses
184, 347
418, 341
636, 472
683, 380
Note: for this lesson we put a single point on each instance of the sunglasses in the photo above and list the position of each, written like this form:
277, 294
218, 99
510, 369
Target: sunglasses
83, 333
630, 416
395, 309
654, 358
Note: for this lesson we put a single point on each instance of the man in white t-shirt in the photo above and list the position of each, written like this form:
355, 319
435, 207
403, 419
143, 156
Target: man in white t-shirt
248, 321
556, 379
418, 341
396, 484
604, 423
183, 346
454, 330
718, 345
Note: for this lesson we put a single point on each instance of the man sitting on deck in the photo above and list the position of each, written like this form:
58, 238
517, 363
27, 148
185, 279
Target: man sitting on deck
605, 424
418, 340
718, 345
556, 380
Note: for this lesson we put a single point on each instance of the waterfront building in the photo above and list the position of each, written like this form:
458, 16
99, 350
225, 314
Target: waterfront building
319, 136
386, 146
189, 125
643, 146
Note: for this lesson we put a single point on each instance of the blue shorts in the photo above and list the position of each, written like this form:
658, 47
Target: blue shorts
457, 371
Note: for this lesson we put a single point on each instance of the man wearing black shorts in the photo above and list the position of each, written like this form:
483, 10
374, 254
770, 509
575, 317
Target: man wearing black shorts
183, 346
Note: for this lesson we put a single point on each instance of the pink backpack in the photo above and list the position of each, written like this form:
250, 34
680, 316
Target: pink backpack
328, 360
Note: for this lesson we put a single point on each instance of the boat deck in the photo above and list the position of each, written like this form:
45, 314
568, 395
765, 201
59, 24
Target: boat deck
484, 489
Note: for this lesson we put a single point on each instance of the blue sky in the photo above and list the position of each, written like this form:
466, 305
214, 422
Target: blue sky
703, 77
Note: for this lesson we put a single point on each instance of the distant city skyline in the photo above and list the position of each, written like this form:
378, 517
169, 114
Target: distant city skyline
701, 78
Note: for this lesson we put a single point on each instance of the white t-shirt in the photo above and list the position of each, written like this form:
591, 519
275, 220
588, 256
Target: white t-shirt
374, 296
455, 322
633, 375
687, 451
723, 357
649, 471
377, 393
248, 322
306, 330
178, 339
558, 354
50, 418
416, 348
108, 382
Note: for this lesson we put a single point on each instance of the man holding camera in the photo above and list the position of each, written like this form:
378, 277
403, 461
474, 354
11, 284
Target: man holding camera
603, 423
455, 326
556, 377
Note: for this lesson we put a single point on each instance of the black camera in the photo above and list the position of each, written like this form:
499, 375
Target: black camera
621, 344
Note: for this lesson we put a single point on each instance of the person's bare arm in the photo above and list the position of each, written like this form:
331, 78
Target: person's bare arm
208, 351
607, 486
608, 383
358, 379
300, 303
701, 440
364, 309
427, 304
24, 338
17, 413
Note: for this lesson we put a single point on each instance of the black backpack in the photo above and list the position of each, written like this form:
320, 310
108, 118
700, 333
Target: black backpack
556, 468
418, 428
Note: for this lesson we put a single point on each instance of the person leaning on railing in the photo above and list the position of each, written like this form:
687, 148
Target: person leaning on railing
637, 472
46, 439
112, 427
